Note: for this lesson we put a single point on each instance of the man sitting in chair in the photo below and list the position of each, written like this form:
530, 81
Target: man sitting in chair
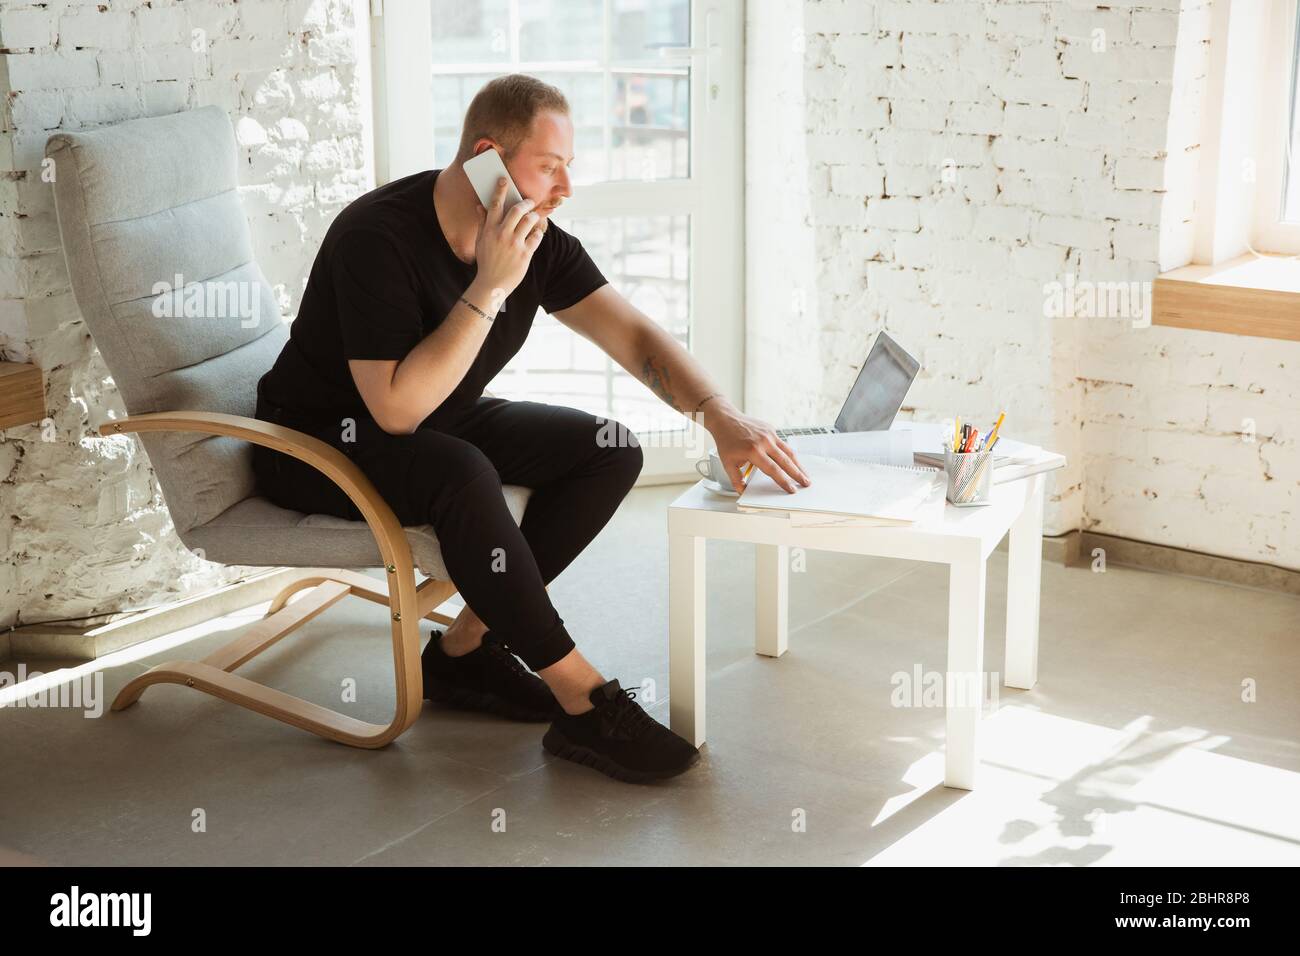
417, 298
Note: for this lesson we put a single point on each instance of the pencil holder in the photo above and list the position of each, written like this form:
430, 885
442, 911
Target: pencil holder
970, 477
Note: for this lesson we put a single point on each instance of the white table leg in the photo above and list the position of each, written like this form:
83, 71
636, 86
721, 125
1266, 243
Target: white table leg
964, 684
686, 636
771, 598
1024, 574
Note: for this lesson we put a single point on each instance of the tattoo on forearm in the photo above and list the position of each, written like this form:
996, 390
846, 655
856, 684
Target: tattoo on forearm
655, 374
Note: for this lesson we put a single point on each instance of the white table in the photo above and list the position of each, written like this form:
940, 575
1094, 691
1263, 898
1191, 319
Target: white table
962, 538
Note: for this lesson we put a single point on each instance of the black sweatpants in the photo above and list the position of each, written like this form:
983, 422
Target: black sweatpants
449, 473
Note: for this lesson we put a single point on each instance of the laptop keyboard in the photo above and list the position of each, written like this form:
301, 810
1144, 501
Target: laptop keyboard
790, 432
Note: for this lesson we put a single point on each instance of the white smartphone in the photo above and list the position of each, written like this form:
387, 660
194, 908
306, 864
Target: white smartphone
483, 171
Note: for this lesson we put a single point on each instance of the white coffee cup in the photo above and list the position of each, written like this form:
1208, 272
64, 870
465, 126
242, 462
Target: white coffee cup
713, 469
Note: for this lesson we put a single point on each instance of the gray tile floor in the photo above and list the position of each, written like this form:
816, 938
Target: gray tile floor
1135, 747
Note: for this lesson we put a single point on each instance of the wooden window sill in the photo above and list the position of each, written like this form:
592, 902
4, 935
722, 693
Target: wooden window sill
1249, 295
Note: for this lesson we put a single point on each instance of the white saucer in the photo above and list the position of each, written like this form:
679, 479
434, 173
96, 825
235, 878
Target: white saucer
718, 489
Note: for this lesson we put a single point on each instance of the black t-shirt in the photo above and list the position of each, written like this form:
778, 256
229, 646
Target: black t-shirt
384, 278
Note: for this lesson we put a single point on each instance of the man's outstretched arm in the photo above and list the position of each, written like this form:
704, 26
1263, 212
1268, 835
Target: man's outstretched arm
637, 343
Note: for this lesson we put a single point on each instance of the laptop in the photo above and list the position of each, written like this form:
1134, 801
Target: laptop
876, 396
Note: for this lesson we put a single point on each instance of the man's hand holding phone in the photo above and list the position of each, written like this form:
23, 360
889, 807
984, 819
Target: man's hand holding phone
507, 239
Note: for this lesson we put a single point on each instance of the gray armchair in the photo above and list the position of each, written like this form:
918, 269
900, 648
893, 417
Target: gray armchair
141, 203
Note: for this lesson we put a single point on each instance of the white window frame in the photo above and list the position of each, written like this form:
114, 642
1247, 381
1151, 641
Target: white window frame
1244, 128
1272, 234
713, 195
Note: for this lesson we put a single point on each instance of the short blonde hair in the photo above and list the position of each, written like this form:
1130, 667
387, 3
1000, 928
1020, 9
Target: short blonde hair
504, 110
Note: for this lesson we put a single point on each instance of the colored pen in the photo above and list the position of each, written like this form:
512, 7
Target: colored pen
994, 434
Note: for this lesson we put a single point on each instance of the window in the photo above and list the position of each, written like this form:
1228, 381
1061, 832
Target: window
1291, 182
1245, 275
1287, 53
1277, 199
654, 87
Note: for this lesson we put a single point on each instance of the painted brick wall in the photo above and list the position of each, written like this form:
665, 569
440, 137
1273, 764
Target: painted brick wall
929, 167
82, 521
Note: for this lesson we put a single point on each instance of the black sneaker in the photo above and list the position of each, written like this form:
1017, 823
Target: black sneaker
489, 678
620, 739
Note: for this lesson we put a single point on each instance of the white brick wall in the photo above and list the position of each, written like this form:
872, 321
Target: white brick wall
1022, 141
83, 526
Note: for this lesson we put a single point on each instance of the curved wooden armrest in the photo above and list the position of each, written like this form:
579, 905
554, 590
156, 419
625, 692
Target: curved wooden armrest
387, 530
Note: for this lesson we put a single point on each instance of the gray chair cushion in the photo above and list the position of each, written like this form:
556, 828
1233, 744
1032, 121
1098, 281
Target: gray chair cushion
139, 204
257, 532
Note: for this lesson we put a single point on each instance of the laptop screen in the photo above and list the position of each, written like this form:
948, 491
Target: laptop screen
878, 393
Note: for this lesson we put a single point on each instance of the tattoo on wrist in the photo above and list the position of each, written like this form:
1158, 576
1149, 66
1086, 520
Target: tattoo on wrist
476, 308
655, 374
705, 399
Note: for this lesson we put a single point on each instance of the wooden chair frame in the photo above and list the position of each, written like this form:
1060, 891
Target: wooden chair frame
407, 602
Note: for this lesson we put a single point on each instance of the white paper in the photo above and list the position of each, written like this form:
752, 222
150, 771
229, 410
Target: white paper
892, 447
841, 486
930, 512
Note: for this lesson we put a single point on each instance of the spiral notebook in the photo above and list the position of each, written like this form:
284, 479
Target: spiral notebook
847, 490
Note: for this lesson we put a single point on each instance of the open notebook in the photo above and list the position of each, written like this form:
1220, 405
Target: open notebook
848, 491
